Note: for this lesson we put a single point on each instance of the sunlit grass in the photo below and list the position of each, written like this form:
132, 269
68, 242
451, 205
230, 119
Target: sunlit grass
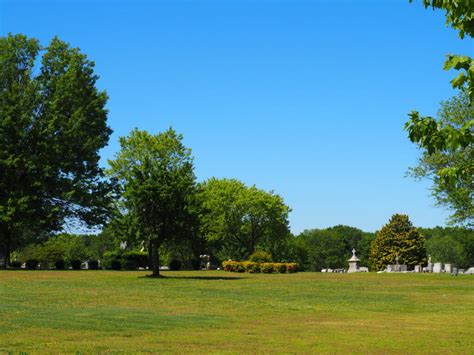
90, 311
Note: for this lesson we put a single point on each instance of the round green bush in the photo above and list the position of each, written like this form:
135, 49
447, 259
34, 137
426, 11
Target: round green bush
60, 264
93, 265
175, 264
76, 264
32, 264
115, 264
15, 264
261, 257
130, 265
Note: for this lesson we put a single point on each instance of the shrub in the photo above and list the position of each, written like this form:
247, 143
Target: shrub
280, 267
175, 264
115, 264
267, 268
292, 267
228, 265
31, 264
196, 264
261, 257
76, 264
93, 265
137, 258
15, 264
130, 264
60, 264
109, 258
251, 267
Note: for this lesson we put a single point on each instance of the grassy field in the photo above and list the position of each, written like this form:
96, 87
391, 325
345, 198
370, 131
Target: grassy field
93, 311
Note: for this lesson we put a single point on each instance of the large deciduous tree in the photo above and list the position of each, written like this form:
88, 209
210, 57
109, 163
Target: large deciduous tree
156, 176
243, 218
397, 239
458, 196
438, 136
52, 125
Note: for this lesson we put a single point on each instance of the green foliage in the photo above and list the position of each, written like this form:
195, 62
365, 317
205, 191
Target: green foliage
175, 264
65, 247
459, 14
76, 264
255, 267
60, 264
157, 183
93, 265
261, 257
398, 238
31, 264
450, 245
330, 248
252, 266
15, 264
112, 260
52, 126
457, 195
243, 219
437, 136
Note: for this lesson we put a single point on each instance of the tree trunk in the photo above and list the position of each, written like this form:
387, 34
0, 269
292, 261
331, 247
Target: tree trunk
156, 260
6, 260
150, 255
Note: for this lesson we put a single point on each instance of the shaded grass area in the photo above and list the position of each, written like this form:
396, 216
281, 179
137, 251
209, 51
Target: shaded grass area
93, 311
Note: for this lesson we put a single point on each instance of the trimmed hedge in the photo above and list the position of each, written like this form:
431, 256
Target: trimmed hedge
76, 264
60, 264
31, 264
93, 265
15, 264
253, 267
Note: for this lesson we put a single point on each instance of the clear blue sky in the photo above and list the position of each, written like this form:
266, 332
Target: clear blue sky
307, 98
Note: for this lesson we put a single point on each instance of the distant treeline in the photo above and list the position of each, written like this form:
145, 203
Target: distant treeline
313, 249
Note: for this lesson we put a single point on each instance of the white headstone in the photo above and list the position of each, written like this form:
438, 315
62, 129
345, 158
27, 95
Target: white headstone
447, 268
438, 267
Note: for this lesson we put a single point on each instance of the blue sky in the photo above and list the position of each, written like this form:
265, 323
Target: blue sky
307, 98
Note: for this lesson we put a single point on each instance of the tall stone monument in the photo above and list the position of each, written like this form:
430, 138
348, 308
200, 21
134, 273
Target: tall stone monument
353, 262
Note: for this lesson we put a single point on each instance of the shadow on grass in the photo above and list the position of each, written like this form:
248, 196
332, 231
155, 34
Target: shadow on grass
204, 278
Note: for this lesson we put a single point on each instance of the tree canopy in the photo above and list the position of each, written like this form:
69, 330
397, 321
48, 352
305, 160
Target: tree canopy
433, 135
397, 239
457, 196
243, 218
157, 183
53, 122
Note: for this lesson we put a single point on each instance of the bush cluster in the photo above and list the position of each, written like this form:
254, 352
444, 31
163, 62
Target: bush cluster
254, 267
130, 260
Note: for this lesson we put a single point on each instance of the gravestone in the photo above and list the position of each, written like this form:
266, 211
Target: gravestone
438, 268
447, 268
418, 268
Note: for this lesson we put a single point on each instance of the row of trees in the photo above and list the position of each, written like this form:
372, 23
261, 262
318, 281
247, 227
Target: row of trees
313, 250
162, 203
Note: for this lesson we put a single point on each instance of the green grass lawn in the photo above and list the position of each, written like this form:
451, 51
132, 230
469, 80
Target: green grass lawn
93, 311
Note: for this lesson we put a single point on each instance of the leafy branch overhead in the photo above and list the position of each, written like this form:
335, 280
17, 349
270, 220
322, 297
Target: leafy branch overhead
443, 136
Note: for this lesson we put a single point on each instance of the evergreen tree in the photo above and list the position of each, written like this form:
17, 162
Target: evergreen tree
397, 238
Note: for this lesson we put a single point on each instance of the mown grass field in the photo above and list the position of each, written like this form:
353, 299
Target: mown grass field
106, 311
